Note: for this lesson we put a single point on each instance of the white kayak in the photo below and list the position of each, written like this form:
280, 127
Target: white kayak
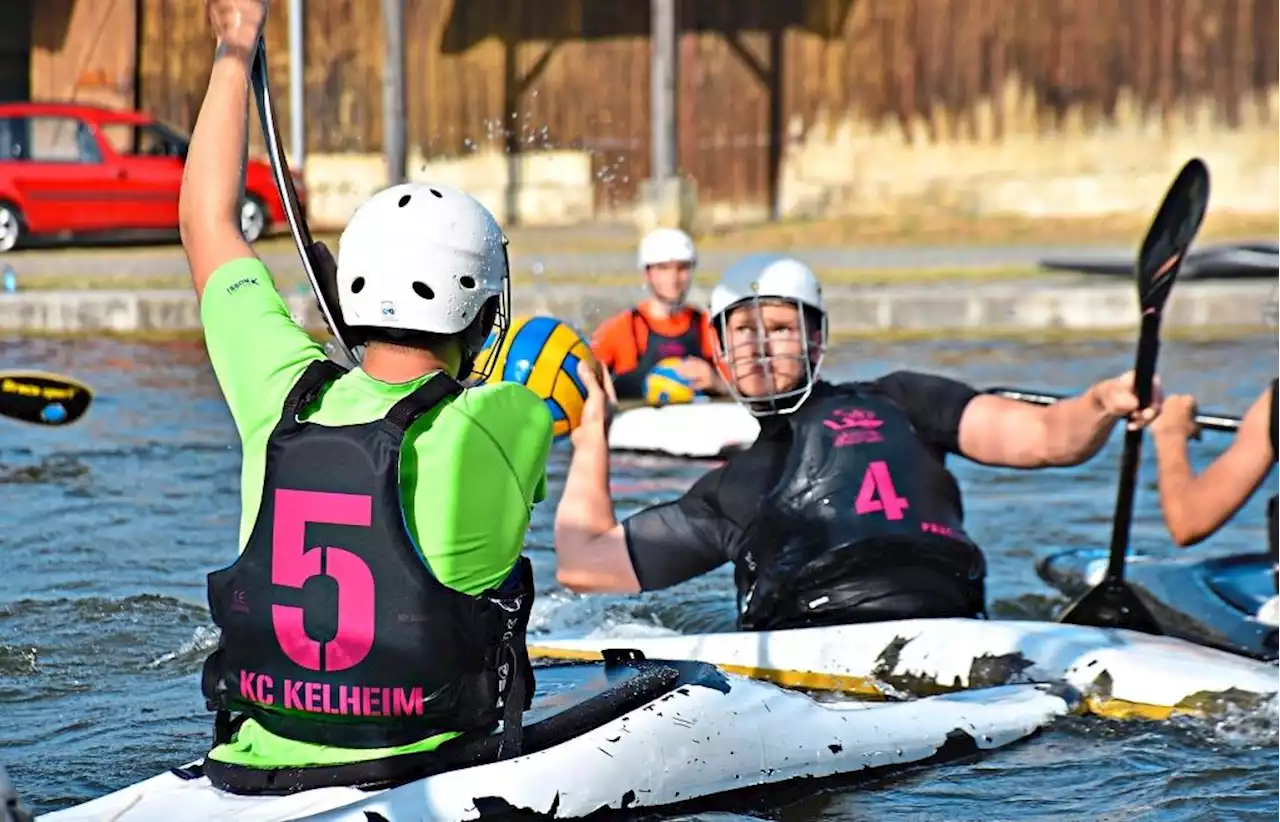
697, 430
1119, 673
633, 734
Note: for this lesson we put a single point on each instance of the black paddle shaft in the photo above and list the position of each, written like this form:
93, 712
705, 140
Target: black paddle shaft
1208, 421
1159, 261
315, 256
1144, 385
1113, 603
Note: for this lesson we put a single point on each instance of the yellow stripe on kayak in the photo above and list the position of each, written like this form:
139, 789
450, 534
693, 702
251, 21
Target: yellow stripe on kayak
805, 680
1198, 705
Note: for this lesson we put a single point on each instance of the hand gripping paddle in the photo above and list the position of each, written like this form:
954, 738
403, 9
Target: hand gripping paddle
1112, 603
1207, 421
41, 398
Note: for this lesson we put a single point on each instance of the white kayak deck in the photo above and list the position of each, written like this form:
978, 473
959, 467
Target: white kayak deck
1121, 673
692, 742
699, 430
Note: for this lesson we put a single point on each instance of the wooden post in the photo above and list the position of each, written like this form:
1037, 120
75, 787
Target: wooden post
297, 79
663, 92
393, 127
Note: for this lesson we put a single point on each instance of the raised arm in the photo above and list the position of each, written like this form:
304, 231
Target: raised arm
213, 173
591, 548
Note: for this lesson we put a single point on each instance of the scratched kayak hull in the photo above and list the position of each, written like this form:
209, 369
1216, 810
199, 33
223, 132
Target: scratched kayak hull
699, 430
1210, 602
1120, 673
698, 733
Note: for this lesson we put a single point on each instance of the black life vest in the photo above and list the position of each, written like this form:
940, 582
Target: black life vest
334, 630
658, 347
860, 496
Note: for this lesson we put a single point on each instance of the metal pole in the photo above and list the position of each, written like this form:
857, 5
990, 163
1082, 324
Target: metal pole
393, 128
663, 93
297, 74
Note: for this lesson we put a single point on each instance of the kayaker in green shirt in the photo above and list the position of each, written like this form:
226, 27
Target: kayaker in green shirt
379, 602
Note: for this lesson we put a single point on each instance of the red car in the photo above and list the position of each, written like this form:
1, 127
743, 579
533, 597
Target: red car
69, 169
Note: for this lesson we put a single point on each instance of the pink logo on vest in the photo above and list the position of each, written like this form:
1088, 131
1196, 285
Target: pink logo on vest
854, 426
668, 348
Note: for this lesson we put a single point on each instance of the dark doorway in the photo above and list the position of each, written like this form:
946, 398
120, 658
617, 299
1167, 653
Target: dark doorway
15, 50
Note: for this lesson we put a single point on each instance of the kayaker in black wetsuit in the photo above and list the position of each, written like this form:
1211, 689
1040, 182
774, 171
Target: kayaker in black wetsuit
843, 510
1196, 506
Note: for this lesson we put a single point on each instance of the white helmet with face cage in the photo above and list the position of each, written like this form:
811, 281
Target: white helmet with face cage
772, 278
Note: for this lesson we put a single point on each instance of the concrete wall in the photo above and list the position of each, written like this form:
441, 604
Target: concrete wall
1045, 303
845, 166
554, 187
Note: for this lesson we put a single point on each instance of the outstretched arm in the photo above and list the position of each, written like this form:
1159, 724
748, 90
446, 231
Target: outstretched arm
213, 174
999, 431
1194, 507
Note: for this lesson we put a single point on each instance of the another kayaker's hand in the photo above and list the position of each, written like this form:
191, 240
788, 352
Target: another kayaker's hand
1116, 397
699, 373
597, 412
1177, 418
237, 24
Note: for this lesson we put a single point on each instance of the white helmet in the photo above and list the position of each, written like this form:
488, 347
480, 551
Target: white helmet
667, 245
424, 257
768, 278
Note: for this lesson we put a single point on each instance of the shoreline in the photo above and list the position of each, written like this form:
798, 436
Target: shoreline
940, 308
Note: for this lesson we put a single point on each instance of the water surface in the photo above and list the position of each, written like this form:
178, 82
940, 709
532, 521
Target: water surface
108, 528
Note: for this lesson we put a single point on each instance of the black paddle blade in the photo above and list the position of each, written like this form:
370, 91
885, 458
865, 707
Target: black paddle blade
1112, 604
42, 399
1174, 227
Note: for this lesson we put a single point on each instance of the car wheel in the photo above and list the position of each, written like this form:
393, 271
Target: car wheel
10, 226
253, 219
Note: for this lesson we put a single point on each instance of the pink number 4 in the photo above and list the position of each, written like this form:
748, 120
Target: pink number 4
877, 493
292, 564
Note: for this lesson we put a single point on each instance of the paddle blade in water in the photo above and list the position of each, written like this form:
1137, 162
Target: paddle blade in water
1174, 227
41, 398
1112, 604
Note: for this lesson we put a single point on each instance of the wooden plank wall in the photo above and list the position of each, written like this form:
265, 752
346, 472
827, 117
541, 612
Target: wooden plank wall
84, 51
937, 68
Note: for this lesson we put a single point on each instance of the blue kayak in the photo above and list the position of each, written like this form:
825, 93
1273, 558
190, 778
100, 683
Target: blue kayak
1211, 602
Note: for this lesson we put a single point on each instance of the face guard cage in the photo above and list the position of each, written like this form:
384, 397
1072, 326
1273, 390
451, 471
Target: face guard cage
498, 332
758, 352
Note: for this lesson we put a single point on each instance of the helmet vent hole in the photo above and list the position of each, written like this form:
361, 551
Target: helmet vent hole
404, 201
439, 196
357, 285
424, 291
467, 281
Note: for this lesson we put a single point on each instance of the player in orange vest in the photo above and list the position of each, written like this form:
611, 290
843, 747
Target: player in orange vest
664, 326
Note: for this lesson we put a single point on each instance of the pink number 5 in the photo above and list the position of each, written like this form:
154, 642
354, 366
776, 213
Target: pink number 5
292, 564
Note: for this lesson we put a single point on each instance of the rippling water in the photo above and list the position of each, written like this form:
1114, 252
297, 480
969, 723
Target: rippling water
108, 528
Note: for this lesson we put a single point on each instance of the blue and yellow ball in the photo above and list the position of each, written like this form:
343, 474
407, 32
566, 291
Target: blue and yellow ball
664, 386
542, 354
